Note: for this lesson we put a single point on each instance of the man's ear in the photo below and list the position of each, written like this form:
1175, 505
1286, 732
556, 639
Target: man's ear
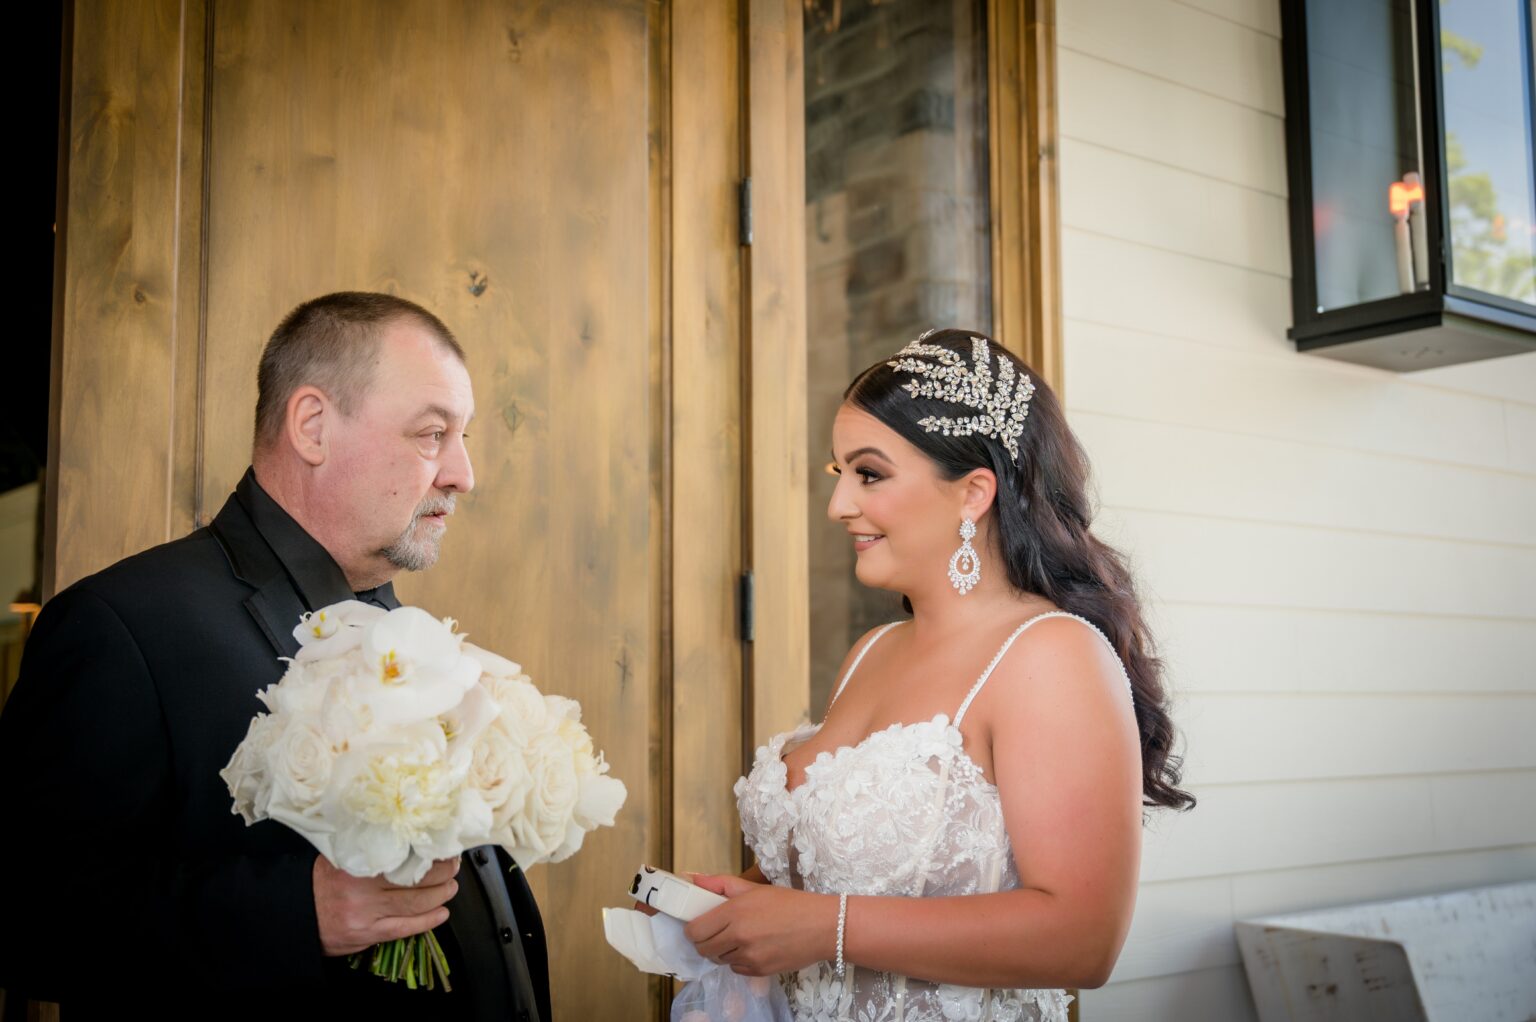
305, 424
979, 490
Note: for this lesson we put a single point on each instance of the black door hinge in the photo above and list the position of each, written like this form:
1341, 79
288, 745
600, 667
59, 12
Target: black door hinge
744, 206
748, 606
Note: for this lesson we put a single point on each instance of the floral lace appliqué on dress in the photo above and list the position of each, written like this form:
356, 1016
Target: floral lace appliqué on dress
903, 813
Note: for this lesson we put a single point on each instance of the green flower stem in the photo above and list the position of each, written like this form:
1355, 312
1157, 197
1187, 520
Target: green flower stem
418, 960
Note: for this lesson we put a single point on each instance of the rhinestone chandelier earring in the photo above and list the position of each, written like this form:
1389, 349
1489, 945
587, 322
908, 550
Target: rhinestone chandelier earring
964, 565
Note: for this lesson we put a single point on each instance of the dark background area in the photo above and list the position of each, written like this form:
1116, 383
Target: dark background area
33, 173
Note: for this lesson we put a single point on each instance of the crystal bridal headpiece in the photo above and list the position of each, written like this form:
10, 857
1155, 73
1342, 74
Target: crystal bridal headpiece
940, 374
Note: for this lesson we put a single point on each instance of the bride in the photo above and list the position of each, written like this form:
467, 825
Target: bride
960, 837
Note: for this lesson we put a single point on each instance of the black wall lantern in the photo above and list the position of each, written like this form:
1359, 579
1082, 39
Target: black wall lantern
1411, 150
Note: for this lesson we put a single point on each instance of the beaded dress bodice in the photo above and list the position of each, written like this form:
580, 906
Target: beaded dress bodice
905, 812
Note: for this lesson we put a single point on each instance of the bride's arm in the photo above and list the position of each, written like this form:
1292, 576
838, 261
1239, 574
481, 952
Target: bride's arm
1067, 757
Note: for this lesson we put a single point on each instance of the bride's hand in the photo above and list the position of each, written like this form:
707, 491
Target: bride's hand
763, 929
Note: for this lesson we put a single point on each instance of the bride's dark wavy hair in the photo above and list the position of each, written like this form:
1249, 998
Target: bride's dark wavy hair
1043, 513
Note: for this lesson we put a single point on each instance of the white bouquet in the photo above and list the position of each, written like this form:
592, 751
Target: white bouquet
390, 742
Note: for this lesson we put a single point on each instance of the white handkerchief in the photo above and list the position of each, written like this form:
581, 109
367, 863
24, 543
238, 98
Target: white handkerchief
654, 944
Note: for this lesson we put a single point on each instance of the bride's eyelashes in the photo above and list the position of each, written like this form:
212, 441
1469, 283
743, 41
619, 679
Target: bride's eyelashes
865, 473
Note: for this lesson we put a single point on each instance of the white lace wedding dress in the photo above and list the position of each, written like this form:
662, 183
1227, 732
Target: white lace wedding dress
905, 812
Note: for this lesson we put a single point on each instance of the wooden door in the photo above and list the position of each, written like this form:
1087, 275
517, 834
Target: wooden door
558, 181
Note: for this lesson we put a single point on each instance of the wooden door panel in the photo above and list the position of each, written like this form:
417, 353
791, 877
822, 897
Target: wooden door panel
558, 182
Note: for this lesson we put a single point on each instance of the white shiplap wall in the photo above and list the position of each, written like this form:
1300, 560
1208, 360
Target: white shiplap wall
1341, 562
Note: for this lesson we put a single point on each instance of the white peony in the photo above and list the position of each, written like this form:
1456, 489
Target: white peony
395, 805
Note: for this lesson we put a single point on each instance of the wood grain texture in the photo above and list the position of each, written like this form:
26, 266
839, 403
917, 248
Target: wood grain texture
491, 161
707, 439
780, 656
1025, 197
116, 400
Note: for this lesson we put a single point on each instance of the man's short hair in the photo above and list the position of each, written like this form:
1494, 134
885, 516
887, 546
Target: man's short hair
331, 342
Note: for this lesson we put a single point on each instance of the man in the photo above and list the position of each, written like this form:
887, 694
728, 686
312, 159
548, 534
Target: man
127, 881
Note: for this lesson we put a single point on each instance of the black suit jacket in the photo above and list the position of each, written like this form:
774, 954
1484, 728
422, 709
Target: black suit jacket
127, 881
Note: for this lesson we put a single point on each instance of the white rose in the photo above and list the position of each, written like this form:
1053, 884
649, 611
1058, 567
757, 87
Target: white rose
246, 774
522, 706
599, 800
300, 765
499, 773
301, 689
576, 738
560, 706
540, 828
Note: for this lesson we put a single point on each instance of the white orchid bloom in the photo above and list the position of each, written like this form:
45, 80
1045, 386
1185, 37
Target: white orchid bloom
334, 630
490, 663
465, 723
410, 668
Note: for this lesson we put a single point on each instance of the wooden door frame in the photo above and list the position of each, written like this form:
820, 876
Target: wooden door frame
1026, 201
779, 660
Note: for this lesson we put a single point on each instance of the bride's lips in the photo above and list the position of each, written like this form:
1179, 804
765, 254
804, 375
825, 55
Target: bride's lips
865, 541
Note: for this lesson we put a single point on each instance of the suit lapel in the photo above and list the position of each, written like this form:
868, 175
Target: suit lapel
275, 603
277, 609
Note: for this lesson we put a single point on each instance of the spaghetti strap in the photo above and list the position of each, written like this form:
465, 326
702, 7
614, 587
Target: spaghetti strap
856, 660
976, 689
